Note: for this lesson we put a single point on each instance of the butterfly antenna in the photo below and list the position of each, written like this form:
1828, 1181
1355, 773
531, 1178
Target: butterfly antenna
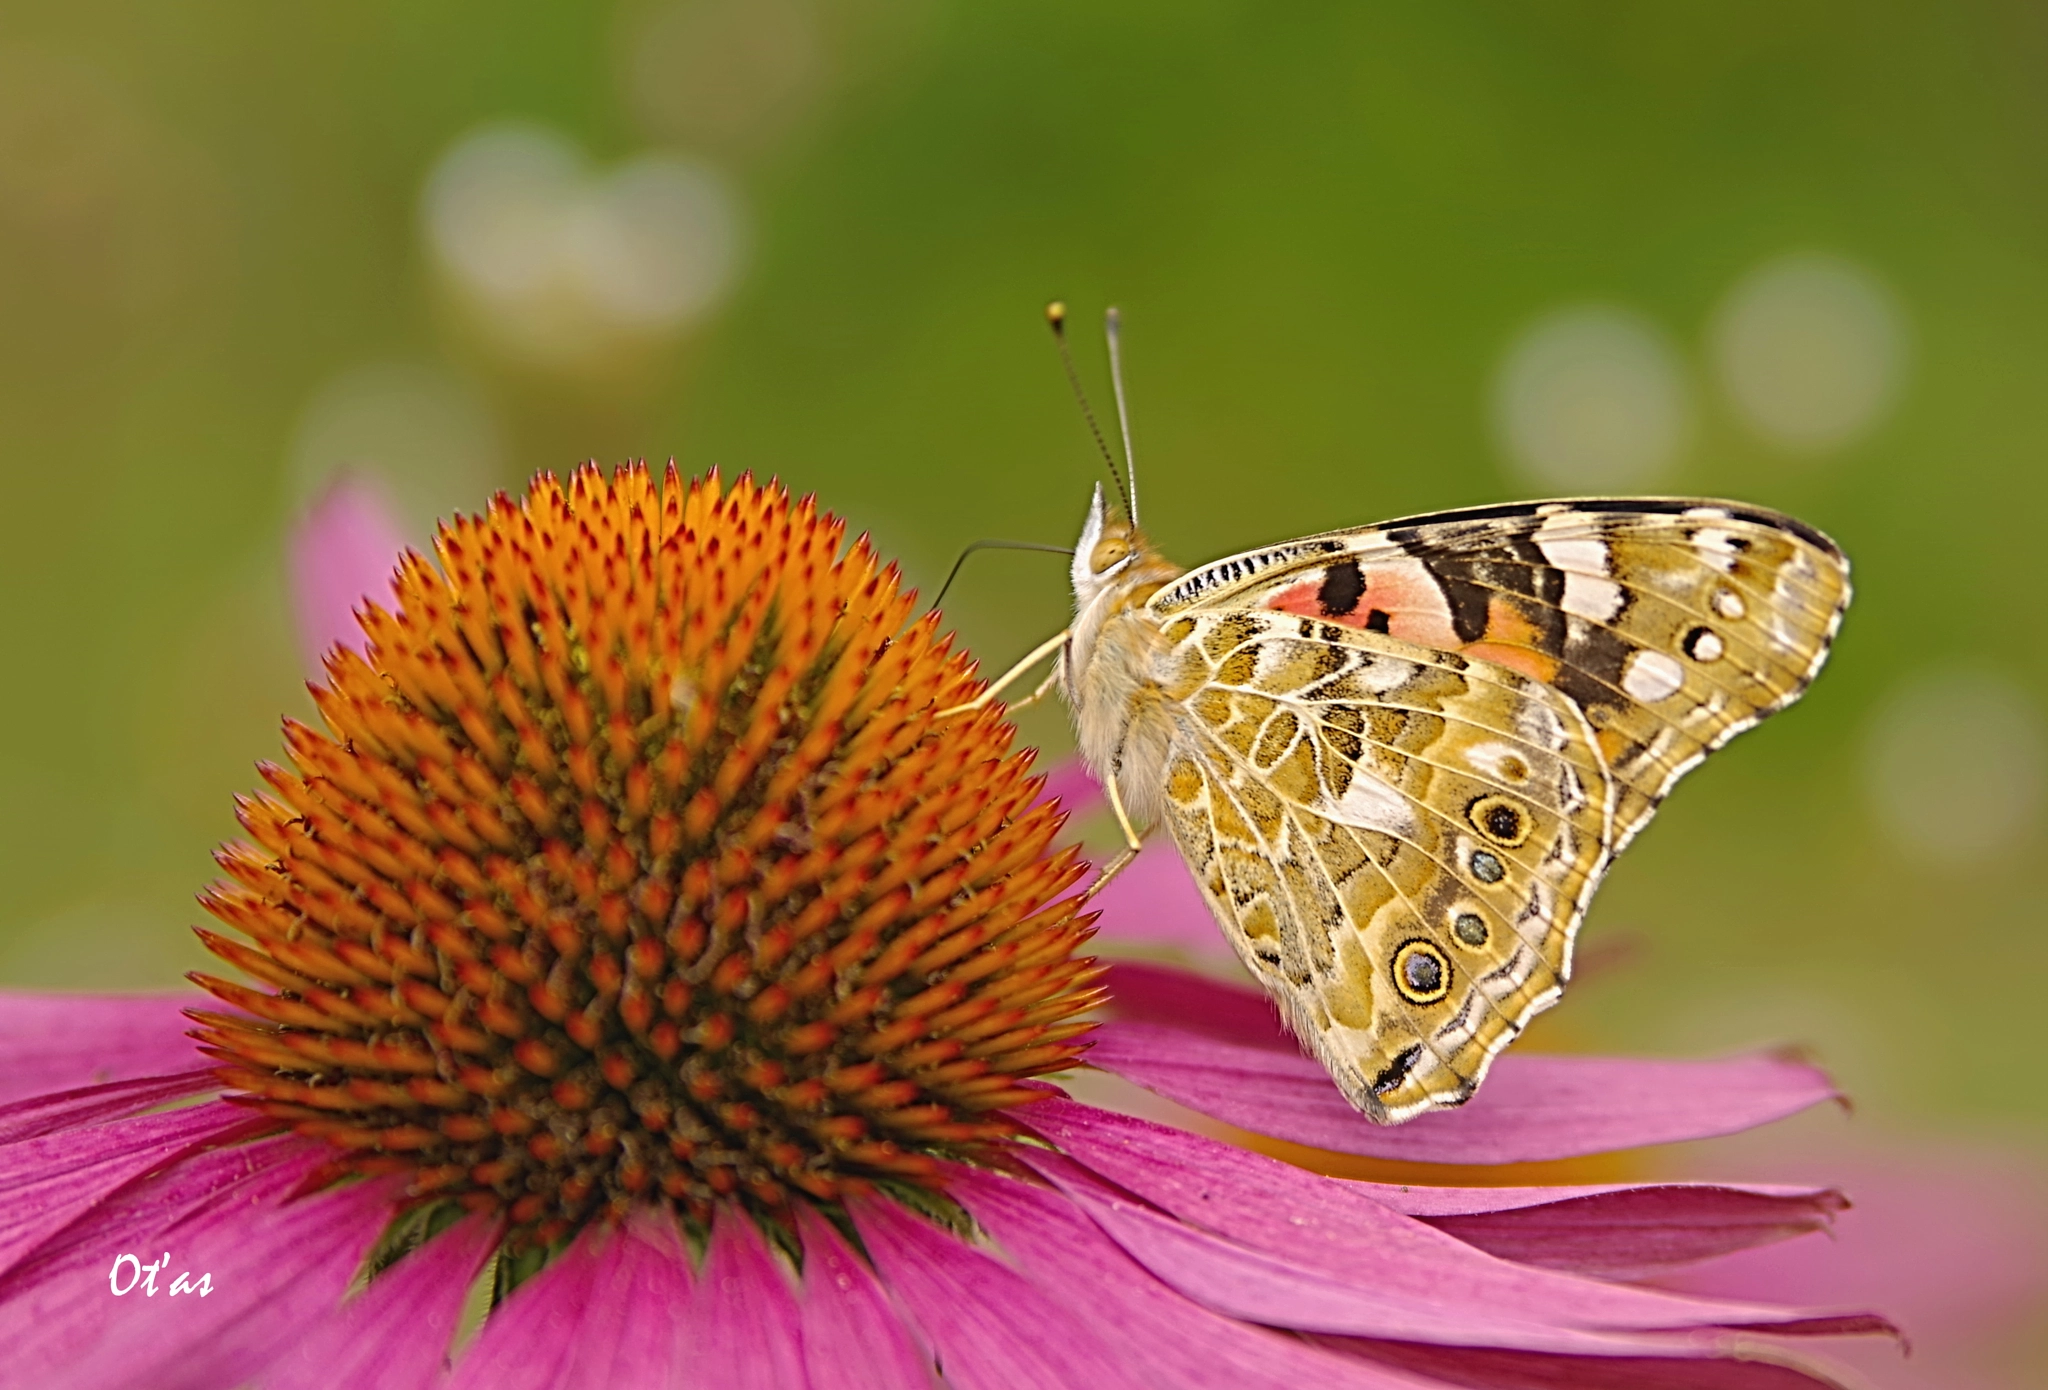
1056, 316
954, 573
1112, 328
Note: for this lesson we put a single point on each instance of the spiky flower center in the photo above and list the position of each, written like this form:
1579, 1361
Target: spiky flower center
635, 866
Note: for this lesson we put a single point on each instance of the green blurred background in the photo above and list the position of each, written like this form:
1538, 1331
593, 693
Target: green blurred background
1374, 259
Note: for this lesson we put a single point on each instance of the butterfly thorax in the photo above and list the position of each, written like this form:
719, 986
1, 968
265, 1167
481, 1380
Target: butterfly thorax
1113, 657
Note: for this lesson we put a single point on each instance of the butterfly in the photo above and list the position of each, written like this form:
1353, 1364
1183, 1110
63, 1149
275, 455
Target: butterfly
1398, 759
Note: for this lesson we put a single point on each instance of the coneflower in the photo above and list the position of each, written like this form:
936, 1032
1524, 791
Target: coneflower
637, 957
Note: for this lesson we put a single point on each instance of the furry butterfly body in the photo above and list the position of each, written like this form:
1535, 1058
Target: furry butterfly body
1399, 759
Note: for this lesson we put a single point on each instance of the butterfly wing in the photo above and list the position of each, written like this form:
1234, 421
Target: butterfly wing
1673, 624
1397, 841
1403, 757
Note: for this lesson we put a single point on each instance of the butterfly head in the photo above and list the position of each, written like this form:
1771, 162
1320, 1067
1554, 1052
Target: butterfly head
1114, 564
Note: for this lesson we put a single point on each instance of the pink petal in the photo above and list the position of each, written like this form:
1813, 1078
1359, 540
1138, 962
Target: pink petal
1145, 993
853, 1337
59, 1294
629, 1334
136, 1215
1215, 1058
1241, 1281
603, 1314
271, 1267
742, 1327
1184, 1343
394, 1335
1069, 783
61, 1110
54, 1042
46, 1183
342, 554
1619, 1232
987, 1324
1755, 1367
1154, 901
1950, 1237
1304, 1229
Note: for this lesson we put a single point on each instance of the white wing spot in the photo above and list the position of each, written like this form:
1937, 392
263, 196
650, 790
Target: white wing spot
1380, 673
1591, 597
1651, 676
1373, 804
1729, 605
1707, 646
1716, 547
1586, 554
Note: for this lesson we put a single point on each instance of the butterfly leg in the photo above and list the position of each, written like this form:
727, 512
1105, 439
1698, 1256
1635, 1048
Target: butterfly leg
1132, 842
1045, 686
1012, 676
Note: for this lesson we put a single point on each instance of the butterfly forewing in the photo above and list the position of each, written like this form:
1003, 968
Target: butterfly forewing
1673, 625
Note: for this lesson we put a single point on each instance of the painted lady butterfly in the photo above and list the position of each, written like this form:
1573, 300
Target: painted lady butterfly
1399, 758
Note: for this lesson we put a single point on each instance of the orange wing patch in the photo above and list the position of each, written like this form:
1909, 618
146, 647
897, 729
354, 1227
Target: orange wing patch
1401, 598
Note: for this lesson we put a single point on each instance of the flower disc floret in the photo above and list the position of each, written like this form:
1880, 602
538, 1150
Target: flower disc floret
634, 866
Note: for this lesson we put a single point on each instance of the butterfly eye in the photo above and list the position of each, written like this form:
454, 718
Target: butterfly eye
1421, 973
1109, 551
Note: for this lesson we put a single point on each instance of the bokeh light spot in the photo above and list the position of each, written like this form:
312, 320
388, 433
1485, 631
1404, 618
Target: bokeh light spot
1590, 398
1811, 350
562, 267
1955, 764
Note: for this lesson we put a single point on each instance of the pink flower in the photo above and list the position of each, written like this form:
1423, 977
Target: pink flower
308, 1197
342, 555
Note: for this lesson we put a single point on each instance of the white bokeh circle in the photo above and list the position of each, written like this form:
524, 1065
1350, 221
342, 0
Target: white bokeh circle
1810, 349
1592, 398
560, 265
1955, 764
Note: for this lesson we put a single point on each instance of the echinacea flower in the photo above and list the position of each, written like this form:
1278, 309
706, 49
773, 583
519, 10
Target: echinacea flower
637, 957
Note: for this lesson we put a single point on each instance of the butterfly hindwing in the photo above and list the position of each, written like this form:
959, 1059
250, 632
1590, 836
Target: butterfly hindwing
1399, 842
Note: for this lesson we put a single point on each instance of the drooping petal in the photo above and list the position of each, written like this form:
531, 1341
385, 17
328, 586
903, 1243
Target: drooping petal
1402, 1278
395, 1334
629, 1335
56, 1042
1186, 1344
48, 1182
742, 1328
853, 1337
1950, 1236
1532, 1107
1068, 783
1618, 1232
1233, 1013
342, 553
1244, 1282
986, 1323
1753, 1366
602, 1315
57, 1298
62, 1110
245, 1272
1155, 902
